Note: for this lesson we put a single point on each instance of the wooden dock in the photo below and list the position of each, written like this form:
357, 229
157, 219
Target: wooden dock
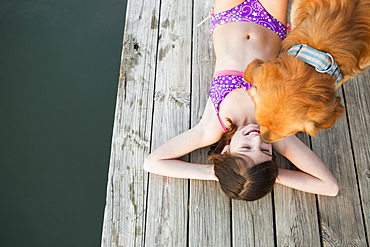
166, 71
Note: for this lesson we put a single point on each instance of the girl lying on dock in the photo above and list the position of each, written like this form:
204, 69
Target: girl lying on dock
242, 163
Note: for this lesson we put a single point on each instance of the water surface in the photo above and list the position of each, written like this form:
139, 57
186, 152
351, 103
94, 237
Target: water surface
59, 67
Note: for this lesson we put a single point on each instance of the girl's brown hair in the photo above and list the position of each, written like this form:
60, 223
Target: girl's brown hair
239, 177
239, 180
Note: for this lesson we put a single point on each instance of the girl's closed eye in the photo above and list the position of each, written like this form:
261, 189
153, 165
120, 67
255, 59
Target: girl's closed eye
267, 152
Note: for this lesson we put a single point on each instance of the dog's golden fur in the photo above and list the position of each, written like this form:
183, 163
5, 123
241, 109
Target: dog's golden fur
289, 95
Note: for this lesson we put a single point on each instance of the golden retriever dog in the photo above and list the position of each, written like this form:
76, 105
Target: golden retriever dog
292, 95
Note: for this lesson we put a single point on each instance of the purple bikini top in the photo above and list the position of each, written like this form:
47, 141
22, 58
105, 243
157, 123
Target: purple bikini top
249, 11
223, 83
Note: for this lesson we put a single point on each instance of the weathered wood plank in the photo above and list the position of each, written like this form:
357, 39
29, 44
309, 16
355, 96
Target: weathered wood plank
209, 207
124, 221
296, 212
209, 215
357, 92
167, 212
157, 58
253, 222
341, 216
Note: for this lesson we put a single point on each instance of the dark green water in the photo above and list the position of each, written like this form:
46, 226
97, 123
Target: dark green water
59, 70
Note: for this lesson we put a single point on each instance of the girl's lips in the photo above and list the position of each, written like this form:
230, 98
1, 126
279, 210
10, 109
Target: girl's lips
253, 130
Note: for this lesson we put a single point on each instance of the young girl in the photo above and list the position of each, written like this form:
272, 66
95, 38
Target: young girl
244, 166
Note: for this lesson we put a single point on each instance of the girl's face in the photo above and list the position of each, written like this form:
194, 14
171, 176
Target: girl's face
247, 141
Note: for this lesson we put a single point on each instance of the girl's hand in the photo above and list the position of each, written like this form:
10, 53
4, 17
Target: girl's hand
313, 177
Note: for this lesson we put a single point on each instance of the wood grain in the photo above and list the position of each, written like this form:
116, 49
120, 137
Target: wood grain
167, 211
166, 71
341, 217
124, 215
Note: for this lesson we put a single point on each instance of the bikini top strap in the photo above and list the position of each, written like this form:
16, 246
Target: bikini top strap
222, 123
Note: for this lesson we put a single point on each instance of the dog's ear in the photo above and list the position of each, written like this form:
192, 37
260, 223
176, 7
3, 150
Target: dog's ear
338, 112
310, 128
248, 73
339, 109
328, 124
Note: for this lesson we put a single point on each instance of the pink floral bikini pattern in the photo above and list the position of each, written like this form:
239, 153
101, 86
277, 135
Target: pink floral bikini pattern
249, 11
222, 85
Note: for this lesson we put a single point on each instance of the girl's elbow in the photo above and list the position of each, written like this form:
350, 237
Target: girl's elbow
149, 164
336, 189
333, 189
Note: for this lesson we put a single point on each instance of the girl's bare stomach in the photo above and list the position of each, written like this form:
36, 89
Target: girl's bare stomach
237, 44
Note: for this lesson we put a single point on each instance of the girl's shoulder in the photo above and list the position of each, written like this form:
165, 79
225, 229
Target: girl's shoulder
238, 106
209, 125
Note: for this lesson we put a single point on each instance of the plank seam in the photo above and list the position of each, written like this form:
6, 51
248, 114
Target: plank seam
317, 206
190, 115
231, 221
152, 126
274, 229
355, 166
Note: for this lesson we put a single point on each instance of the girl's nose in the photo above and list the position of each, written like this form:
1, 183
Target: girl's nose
256, 139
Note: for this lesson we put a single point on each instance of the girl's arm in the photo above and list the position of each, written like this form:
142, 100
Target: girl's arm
164, 160
313, 177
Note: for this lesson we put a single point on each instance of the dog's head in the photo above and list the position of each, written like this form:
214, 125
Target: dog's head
290, 96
